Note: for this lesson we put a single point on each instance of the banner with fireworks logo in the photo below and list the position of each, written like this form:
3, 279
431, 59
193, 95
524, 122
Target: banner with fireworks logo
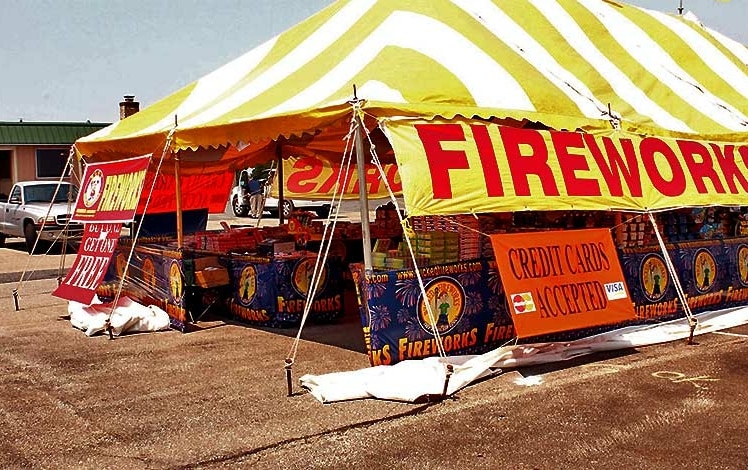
464, 304
155, 276
110, 192
109, 196
713, 274
273, 292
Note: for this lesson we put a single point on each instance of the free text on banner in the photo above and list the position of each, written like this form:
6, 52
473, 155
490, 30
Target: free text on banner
560, 281
108, 197
110, 191
464, 166
316, 178
88, 269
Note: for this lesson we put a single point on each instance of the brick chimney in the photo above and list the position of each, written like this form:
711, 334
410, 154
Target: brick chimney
128, 107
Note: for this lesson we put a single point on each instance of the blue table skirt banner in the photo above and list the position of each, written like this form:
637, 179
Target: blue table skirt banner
273, 291
155, 277
468, 310
713, 274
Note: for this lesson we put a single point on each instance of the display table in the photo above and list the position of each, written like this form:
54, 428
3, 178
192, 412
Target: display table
713, 274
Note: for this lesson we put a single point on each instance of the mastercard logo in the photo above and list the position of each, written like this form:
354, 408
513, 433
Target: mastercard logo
523, 303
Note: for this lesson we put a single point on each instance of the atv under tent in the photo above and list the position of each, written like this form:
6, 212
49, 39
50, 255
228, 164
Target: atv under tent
503, 105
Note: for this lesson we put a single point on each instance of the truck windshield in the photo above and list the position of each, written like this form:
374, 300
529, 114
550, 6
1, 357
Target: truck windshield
44, 193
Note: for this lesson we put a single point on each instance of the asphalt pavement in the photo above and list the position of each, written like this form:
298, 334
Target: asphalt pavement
216, 398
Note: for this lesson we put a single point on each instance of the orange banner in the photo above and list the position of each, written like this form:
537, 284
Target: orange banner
559, 281
316, 178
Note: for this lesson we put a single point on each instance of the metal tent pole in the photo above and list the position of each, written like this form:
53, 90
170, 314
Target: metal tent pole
363, 197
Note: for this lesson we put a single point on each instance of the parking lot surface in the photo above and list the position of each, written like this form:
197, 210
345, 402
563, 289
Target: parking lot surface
216, 398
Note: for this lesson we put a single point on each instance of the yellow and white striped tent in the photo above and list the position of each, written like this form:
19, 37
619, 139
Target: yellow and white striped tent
600, 66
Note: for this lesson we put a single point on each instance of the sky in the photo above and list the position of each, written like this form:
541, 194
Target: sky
74, 60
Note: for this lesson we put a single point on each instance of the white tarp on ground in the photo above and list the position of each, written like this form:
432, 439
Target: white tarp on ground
413, 380
128, 317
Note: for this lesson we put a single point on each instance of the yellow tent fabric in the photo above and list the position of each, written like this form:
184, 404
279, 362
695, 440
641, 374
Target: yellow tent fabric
591, 65
562, 62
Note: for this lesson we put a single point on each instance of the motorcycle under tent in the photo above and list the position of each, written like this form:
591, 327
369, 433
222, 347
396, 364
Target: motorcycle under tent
486, 106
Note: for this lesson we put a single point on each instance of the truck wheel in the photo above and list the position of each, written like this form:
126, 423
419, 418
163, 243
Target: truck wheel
239, 210
29, 233
323, 212
2, 240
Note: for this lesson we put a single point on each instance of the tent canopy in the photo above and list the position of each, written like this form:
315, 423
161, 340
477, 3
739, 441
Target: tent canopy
568, 64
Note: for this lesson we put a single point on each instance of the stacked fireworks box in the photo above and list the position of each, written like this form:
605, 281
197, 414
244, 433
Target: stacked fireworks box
438, 247
441, 240
679, 225
635, 230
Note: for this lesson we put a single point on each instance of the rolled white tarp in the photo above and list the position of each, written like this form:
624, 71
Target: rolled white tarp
416, 380
127, 317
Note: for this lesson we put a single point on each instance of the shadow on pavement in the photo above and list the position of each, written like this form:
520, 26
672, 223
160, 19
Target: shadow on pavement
346, 334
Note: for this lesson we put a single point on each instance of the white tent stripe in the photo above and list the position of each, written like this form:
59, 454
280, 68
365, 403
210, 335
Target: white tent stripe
314, 45
506, 30
435, 40
212, 86
711, 55
739, 50
659, 63
618, 81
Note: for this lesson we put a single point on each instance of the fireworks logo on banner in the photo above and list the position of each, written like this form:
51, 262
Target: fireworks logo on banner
93, 189
247, 285
654, 277
743, 264
302, 276
175, 281
704, 270
447, 300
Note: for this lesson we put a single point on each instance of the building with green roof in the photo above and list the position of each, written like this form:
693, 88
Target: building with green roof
37, 150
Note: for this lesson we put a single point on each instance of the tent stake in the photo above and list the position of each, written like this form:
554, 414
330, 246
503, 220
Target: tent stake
289, 363
15, 299
692, 323
450, 370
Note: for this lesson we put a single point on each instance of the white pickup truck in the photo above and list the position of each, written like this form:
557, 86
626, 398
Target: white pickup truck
24, 211
240, 201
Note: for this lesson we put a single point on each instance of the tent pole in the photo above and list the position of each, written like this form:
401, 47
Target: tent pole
279, 175
363, 198
178, 191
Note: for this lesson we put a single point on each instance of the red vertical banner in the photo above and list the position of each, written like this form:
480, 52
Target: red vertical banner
559, 281
109, 195
94, 254
110, 191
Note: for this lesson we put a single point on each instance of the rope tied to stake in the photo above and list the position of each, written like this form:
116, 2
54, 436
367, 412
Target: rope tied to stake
692, 321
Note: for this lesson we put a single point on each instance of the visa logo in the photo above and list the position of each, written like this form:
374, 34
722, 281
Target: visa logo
615, 290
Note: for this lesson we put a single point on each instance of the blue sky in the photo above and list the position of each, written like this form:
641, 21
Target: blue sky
73, 60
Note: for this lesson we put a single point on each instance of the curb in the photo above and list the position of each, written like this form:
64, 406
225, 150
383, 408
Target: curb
6, 278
